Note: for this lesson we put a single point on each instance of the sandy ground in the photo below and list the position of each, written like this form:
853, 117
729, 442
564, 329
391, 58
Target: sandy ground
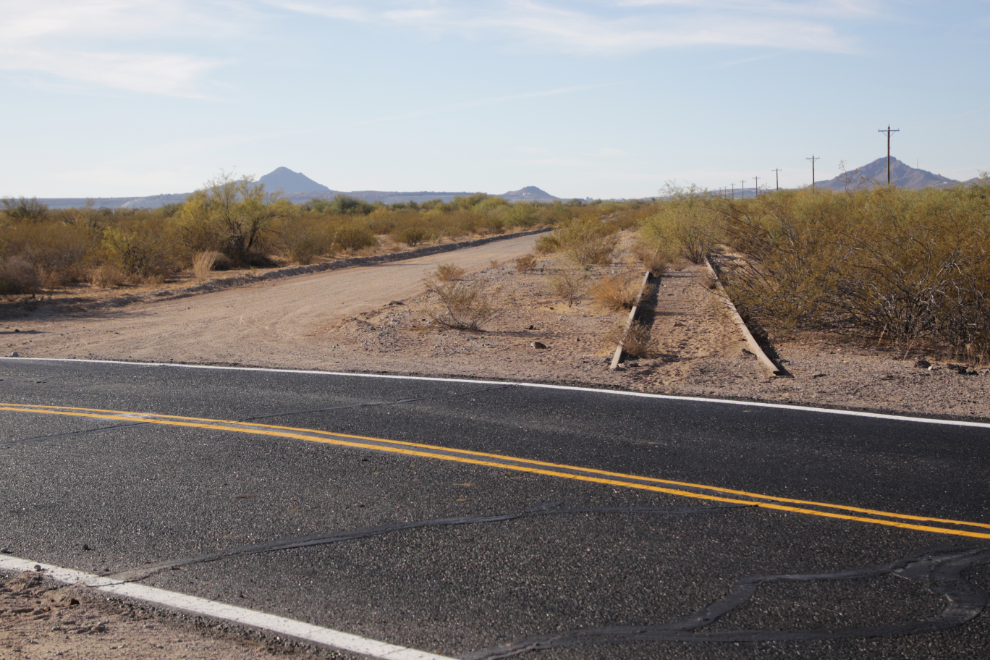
39, 619
376, 319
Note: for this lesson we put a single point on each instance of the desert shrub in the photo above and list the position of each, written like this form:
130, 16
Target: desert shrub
231, 216
555, 214
567, 283
688, 222
491, 205
138, 256
412, 235
448, 272
303, 239
18, 276
170, 210
491, 224
58, 252
454, 223
384, 220
525, 263
352, 236
462, 305
908, 265
522, 214
106, 276
547, 244
589, 241
23, 209
616, 292
341, 205
469, 202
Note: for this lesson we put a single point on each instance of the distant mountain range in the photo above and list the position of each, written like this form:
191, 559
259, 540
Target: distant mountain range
297, 188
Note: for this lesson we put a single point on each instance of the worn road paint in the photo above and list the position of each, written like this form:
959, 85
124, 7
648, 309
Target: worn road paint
678, 488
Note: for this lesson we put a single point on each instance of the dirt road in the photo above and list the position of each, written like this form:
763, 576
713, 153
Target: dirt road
232, 325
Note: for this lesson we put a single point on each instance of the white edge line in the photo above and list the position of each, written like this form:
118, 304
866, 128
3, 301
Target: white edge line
546, 386
201, 606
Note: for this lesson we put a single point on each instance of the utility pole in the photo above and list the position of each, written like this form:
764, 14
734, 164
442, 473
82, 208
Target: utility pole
742, 189
813, 159
888, 131
756, 188
777, 172
733, 191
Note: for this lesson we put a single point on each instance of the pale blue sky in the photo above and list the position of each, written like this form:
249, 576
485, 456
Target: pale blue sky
599, 98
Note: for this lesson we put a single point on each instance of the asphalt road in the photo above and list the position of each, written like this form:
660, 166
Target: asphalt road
485, 519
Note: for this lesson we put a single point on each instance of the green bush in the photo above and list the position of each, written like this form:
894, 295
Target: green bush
231, 216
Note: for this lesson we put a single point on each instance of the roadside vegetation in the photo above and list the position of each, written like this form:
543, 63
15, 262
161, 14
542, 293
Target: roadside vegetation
910, 268
234, 223
891, 265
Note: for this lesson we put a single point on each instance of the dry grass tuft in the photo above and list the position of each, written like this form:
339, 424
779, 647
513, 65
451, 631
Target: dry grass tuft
616, 292
448, 272
637, 339
656, 260
525, 263
567, 283
204, 262
462, 305
106, 277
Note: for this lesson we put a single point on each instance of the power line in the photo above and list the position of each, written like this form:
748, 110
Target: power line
813, 159
888, 131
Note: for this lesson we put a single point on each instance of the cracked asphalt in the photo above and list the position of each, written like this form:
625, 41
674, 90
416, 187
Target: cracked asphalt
471, 560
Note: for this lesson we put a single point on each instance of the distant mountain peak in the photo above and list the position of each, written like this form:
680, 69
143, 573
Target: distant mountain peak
529, 193
902, 175
284, 179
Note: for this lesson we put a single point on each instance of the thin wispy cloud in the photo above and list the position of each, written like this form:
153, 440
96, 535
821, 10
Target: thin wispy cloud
804, 8
109, 43
168, 47
626, 26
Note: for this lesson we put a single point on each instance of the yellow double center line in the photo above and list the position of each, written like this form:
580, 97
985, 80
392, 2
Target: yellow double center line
679, 488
